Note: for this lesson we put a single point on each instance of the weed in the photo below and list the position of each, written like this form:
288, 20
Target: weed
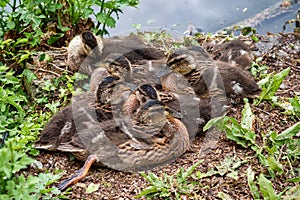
271, 153
33, 18
169, 187
13, 183
227, 167
259, 70
23, 125
270, 85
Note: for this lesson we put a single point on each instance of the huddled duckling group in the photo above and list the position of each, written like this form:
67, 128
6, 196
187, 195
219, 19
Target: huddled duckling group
144, 107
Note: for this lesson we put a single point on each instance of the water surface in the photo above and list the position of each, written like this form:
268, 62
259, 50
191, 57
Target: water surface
209, 15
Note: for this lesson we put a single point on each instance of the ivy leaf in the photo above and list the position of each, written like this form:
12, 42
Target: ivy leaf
11, 25
224, 196
29, 75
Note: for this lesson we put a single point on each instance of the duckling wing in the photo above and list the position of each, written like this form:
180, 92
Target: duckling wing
60, 129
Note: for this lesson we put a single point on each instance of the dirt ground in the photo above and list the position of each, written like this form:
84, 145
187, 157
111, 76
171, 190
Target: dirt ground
278, 52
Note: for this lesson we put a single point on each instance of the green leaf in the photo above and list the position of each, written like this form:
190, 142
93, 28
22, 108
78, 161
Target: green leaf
110, 22
61, 27
253, 188
22, 163
233, 175
254, 38
290, 132
101, 17
54, 38
191, 169
246, 30
92, 188
269, 88
266, 188
3, 3
237, 133
217, 122
24, 56
247, 116
275, 165
21, 41
147, 191
295, 102
294, 180
224, 196
11, 25
29, 75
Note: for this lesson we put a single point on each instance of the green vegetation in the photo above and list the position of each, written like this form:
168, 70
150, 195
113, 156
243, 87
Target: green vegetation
30, 25
278, 153
23, 125
170, 187
27, 103
34, 21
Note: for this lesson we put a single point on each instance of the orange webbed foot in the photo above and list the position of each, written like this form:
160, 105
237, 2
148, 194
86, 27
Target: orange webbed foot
79, 174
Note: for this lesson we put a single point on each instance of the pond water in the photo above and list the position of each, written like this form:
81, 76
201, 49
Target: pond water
209, 15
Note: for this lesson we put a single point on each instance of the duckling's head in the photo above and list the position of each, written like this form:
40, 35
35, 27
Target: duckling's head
235, 52
181, 61
105, 89
153, 113
186, 60
90, 43
117, 65
146, 91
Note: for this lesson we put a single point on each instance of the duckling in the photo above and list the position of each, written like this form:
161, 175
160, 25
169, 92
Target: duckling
97, 76
213, 78
235, 52
83, 46
173, 89
132, 47
151, 137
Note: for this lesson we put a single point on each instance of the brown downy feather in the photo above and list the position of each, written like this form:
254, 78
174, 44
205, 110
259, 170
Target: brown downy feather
235, 52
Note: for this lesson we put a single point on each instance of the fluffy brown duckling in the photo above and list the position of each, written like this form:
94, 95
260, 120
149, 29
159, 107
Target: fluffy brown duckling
132, 47
83, 46
173, 89
213, 78
235, 52
151, 136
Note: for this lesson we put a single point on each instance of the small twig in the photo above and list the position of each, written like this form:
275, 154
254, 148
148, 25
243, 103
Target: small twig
44, 70
55, 48
287, 90
61, 69
262, 110
280, 152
